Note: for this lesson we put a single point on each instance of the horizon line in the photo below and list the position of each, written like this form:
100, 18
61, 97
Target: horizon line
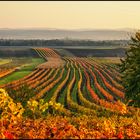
48, 28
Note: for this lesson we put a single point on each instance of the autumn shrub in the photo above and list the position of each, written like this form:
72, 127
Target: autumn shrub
47, 123
37, 109
81, 127
22, 94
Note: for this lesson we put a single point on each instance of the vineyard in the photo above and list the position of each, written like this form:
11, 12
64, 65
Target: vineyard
11, 66
76, 86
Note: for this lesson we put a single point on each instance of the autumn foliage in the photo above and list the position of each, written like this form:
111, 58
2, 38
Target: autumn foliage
79, 99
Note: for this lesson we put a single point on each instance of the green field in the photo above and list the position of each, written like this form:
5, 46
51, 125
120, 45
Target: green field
24, 70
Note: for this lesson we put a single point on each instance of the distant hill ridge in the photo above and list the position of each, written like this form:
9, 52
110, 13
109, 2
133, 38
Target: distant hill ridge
47, 34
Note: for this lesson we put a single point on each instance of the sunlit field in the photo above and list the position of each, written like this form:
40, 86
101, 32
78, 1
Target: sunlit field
65, 97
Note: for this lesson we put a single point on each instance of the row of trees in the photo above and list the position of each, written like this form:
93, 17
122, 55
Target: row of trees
63, 42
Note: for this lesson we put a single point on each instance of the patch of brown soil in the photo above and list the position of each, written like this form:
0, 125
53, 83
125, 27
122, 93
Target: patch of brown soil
52, 63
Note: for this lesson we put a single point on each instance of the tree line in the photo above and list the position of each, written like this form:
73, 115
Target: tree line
61, 42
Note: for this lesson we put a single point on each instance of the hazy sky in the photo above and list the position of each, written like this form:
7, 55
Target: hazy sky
70, 14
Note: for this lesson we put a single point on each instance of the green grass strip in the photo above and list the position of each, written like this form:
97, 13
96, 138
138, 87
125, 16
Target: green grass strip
25, 70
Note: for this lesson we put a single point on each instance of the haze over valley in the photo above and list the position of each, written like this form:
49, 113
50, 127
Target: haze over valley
86, 34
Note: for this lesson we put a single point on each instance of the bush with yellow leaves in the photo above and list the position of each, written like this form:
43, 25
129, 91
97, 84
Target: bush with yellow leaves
39, 108
13, 125
9, 109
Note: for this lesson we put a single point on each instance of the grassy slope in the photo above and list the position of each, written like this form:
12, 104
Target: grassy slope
4, 61
25, 70
107, 60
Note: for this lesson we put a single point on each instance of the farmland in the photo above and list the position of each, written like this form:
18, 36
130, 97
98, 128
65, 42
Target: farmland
85, 92
18, 68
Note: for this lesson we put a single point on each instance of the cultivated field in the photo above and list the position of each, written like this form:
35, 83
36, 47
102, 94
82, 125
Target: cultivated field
16, 68
77, 86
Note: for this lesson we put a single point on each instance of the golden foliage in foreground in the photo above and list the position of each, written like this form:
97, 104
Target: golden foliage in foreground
14, 125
